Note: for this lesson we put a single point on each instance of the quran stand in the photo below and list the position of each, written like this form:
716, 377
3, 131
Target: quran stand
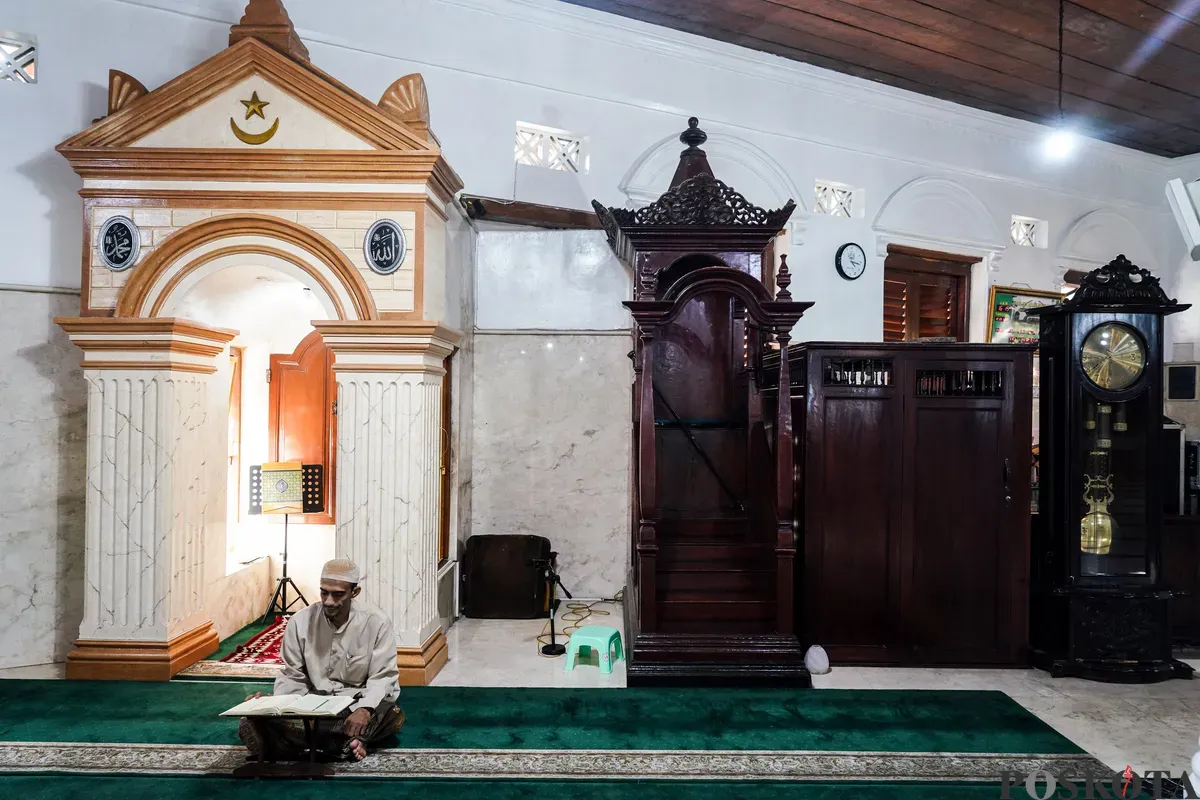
261, 768
286, 488
279, 601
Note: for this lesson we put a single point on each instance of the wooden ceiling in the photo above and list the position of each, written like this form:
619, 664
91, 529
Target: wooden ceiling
1131, 67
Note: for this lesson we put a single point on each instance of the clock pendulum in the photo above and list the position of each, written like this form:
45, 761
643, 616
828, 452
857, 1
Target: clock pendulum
1097, 529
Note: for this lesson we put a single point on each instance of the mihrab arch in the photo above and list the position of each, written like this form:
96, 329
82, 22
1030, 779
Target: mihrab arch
203, 248
203, 202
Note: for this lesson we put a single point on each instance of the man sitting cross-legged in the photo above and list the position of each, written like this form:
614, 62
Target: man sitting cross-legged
339, 646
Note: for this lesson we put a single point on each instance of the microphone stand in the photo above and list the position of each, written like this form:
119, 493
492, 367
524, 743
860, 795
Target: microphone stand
553, 581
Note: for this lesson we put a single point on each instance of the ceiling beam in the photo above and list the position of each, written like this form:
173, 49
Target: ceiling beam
516, 212
988, 54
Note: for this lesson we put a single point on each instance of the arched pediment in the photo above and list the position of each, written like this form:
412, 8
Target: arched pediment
742, 165
941, 214
1098, 237
222, 242
746, 288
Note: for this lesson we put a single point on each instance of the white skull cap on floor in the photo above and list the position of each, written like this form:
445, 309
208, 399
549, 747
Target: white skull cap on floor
341, 569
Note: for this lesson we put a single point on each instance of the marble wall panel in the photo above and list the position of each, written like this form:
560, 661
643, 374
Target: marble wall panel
551, 449
43, 410
239, 598
550, 280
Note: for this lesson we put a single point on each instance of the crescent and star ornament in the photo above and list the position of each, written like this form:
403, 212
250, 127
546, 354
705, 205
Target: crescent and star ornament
254, 107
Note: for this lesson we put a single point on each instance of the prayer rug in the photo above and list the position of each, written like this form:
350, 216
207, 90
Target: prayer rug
264, 648
245, 655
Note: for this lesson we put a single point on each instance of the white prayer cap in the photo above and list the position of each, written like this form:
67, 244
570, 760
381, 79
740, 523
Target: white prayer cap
341, 569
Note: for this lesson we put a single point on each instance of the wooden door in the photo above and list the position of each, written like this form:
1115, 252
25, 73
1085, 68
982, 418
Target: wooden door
445, 485
851, 523
234, 481
302, 415
966, 516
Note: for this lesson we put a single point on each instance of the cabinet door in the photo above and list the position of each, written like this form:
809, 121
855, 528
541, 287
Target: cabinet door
851, 530
966, 490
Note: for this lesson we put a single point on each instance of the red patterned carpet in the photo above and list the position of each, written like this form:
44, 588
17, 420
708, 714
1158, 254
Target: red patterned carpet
263, 648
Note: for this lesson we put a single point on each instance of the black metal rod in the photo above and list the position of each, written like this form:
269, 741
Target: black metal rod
687, 431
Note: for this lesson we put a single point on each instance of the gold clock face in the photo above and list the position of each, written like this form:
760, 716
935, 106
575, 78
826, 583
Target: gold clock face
1113, 357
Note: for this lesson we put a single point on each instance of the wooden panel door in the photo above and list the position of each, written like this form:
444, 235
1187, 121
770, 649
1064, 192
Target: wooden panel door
852, 536
445, 485
234, 482
302, 415
966, 490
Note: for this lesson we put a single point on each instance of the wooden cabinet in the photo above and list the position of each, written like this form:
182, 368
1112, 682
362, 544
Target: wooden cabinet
914, 464
1181, 574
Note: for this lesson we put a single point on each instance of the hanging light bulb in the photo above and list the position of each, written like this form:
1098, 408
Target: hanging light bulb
1062, 141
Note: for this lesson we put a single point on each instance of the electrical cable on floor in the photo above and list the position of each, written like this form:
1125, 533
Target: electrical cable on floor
576, 613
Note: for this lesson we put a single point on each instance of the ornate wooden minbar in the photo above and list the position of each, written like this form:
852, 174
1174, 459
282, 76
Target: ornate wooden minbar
710, 588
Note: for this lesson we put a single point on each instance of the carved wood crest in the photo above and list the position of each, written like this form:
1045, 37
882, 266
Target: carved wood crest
1120, 282
701, 201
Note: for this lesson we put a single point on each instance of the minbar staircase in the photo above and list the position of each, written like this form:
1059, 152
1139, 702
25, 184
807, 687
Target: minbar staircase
715, 575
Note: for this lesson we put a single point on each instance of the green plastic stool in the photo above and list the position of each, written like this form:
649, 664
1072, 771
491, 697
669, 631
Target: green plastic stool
596, 638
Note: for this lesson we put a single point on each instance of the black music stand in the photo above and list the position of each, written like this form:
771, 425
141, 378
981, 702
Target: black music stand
286, 488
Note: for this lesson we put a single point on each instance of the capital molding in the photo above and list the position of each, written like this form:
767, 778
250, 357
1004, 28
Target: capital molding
166, 344
383, 346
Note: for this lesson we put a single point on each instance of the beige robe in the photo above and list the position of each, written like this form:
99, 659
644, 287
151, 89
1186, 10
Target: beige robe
356, 660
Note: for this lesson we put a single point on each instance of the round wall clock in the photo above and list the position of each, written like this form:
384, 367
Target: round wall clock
384, 247
119, 243
851, 261
1113, 356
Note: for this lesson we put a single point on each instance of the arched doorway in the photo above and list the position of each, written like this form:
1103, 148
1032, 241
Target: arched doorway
160, 375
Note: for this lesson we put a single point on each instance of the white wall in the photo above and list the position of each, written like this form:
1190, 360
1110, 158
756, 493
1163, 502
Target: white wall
627, 85
43, 414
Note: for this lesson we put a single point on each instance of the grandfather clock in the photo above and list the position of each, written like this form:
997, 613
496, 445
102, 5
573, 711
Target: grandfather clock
1099, 606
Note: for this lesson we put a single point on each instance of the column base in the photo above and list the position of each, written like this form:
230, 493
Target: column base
419, 665
99, 660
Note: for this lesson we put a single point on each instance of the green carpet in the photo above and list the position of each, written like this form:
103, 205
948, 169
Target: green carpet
626, 719
167, 739
32, 787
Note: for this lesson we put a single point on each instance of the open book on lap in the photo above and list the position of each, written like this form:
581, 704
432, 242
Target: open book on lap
291, 705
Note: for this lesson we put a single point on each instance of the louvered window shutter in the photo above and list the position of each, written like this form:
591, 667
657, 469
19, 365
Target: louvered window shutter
895, 295
923, 298
937, 309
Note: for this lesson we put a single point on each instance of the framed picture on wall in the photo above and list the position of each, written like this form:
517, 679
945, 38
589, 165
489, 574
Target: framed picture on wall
1009, 320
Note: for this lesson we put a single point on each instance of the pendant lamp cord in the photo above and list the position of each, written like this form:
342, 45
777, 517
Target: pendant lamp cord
1062, 6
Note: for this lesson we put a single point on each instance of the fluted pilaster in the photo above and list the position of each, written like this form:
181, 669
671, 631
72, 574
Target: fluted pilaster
389, 450
145, 519
147, 505
389, 464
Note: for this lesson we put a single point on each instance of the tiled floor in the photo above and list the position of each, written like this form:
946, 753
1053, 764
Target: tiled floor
502, 652
1152, 726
